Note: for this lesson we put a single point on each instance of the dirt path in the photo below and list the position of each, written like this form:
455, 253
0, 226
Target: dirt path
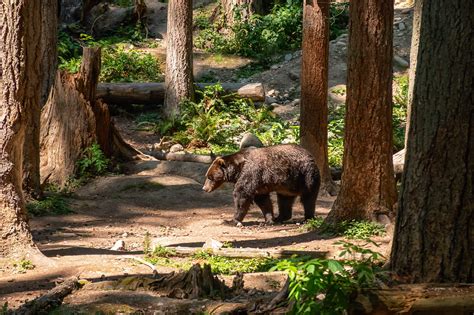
163, 199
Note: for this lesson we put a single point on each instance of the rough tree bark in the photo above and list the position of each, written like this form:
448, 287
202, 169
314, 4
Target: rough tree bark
179, 56
314, 88
21, 92
245, 7
434, 237
73, 120
47, 16
368, 185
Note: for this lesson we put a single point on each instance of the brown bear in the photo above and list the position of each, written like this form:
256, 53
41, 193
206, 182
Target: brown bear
287, 169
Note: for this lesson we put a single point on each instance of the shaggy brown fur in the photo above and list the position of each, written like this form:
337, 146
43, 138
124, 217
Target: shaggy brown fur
287, 169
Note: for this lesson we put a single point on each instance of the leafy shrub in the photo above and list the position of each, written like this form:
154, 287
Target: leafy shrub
336, 136
262, 36
349, 229
217, 121
92, 163
69, 53
324, 286
120, 65
51, 205
400, 104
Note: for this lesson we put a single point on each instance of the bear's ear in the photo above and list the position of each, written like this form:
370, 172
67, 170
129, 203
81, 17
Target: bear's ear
219, 161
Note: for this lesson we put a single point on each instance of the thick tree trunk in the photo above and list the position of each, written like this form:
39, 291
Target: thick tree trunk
179, 56
314, 88
21, 93
245, 8
368, 185
153, 93
47, 16
434, 237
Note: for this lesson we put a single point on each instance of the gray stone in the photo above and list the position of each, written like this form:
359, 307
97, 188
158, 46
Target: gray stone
176, 148
250, 140
274, 67
288, 57
270, 99
400, 61
401, 26
294, 75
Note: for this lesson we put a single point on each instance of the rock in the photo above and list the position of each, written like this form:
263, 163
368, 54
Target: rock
401, 26
212, 244
274, 67
286, 95
288, 57
400, 61
270, 99
119, 245
125, 234
271, 93
176, 148
103, 19
294, 75
295, 102
250, 140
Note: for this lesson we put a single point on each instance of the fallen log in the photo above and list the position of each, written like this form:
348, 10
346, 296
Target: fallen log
51, 299
153, 93
247, 252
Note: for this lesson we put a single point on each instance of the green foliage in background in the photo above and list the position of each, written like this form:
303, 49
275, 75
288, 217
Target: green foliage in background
218, 120
261, 37
120, 65
54, 204
349, 229
92, 163
400, 105
324, 286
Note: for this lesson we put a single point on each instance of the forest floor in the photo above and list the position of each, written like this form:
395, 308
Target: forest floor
164, 199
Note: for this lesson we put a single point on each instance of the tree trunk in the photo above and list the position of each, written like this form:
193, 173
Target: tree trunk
21, 93
368, 185
179, 56
48, 62
314, 88
245, 8
434, 237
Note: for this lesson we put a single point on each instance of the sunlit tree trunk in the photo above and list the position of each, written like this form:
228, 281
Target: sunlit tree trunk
21, 92
314, 88
179, 56
47, 69
368, 184
434, 236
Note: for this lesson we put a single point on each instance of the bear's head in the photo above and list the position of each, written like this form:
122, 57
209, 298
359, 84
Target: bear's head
223, 169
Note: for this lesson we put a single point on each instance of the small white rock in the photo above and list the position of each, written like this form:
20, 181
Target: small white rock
176, 148
125, 234
401, 26
119, 245
288, 57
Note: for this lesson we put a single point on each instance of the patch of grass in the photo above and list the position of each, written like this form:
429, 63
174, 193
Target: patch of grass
324, 286
219, 264
23, 265
313, 224
51, 205
120, 65
349, 229
93, 162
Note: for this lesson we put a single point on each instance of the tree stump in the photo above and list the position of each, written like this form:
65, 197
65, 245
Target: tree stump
73, 120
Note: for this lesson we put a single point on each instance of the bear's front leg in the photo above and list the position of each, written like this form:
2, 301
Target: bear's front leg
242, 203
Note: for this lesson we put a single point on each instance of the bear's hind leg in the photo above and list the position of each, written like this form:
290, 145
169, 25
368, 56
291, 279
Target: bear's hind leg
309, 204
285, 204
265, 204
